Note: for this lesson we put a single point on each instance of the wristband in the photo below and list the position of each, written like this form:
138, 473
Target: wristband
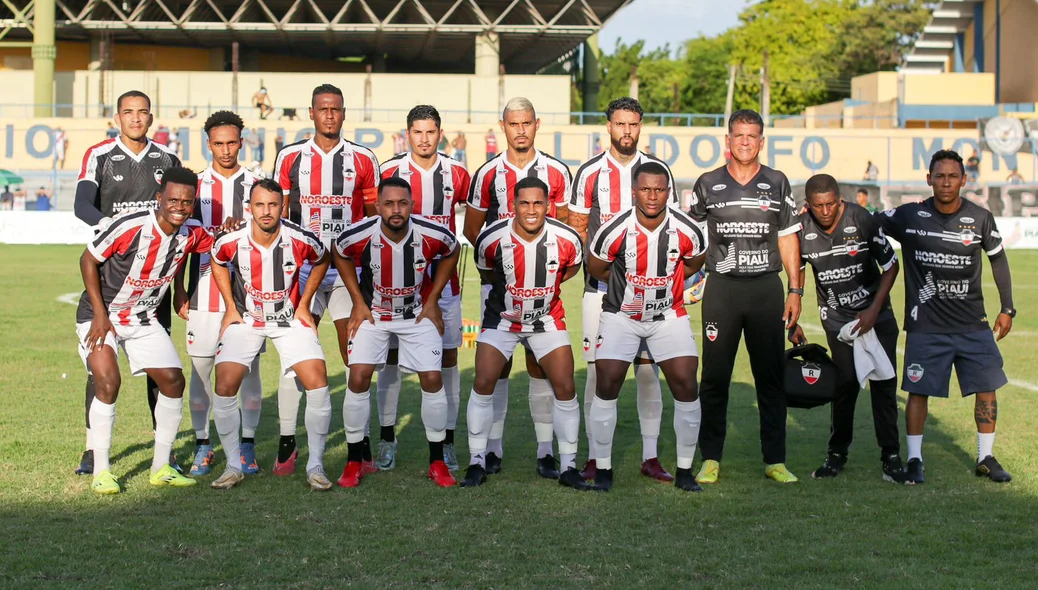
795, 291
1009, 311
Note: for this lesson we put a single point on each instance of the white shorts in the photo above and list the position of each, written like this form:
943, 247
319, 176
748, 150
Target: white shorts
450, 307
203, 333
623, 337
591, 306
421, 346
147, 347
540, 343
336, 300
241, 343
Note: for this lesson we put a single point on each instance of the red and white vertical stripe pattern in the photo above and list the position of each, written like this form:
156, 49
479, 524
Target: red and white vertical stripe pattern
218, 200
493, 186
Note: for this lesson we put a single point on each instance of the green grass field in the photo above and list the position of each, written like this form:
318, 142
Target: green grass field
398, 530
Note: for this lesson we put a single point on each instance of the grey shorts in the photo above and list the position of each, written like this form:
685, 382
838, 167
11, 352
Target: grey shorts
929, 359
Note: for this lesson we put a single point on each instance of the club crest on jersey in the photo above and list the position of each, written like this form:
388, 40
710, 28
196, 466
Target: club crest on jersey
289, 266
853, 247
914, 372
967, 236
673, 254
711, 332
420, 265
349, 174
553, 265
811, 373
158, 175
764, 202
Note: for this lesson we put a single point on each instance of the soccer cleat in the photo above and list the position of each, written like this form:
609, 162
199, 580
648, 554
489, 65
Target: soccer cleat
475, 476
992, 469
248, 459
318, 480
86, 464
603, 480
174, 463
571, 478
105, 483
204, 458
914, 471
440, 475
288, 467
589, 470
493, 464
450, 457
547, 467
833, 465
167, 476
367, 468
894, 470
686, 481
351, 475
779, 473
653, 469
709, 472
386, 458
230, 478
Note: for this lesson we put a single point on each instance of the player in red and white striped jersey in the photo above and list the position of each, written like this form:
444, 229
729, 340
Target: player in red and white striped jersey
395, 297
264, 301
127, 270
601, 190
438, 183
491, 198
331, 184
525, 261
644, 254
223, 190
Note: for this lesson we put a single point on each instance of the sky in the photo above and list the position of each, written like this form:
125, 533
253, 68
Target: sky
668, 21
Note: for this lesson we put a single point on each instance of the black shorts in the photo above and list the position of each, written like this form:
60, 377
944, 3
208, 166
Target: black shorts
929, 359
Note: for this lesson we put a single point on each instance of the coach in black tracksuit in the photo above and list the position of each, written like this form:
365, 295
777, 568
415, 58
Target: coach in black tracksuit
854, 269
750, 216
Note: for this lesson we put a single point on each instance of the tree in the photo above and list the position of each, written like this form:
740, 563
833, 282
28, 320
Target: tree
705, 73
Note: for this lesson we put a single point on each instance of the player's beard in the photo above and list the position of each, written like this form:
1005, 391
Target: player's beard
626, 151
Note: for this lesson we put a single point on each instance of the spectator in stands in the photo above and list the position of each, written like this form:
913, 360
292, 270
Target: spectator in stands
460, 144
111, 132
973, 168
187, 113
6, 199
871, 172
18, 203
174, 143
862, 199
279, 142
289, 114
60, 146
598, 146
400, 142
161, 136
261, 100
491, 140
255, 143
42, 200
1015, 177
442, 147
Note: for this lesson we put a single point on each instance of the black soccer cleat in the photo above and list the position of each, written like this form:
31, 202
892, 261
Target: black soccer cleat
547, 467
493, 464
833, 465
894, 470
86, 464
914, 472
685, 480
571, 478
475, 476
603, 480
992, 469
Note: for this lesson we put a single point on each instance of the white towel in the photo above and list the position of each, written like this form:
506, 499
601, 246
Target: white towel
870, 360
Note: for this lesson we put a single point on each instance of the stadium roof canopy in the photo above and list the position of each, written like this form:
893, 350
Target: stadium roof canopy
414, 35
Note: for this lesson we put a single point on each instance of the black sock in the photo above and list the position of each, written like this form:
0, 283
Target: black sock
201, 441
367, 448
286, 447
435, 451
248, 441
387, 433
354, 452
449, 440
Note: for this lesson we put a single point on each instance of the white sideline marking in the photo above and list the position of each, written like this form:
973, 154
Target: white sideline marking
402, 423
70, 298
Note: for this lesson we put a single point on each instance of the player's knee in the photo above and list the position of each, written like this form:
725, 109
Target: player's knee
484, 383
174, 383
360, 378
450, 358
431, 381
106, 386
565, 390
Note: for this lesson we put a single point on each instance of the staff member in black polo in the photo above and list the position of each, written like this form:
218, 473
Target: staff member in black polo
752, 222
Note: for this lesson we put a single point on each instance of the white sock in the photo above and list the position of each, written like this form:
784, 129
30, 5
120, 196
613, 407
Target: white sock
650, 407
387, 392
603, 425
915, 446
168, 414
89, 441
567, 430
251, 400
289, 394
452, 385
200, 394
687, 418
434, 415
589, 394
228, 424
356, 411
479, 417
497, 431
542, 399
102, 419
985, 445
318, 420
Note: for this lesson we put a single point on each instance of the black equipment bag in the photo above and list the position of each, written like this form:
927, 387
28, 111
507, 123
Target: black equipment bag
810, 376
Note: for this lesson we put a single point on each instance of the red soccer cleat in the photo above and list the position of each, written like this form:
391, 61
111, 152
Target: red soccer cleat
351, 475
288, 467
440, 475
589, 470
652, 468
367, 468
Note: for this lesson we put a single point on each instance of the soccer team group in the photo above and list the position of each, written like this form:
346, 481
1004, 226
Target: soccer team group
334, 233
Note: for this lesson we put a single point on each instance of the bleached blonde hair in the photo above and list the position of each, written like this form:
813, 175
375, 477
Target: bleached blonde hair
518, 104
